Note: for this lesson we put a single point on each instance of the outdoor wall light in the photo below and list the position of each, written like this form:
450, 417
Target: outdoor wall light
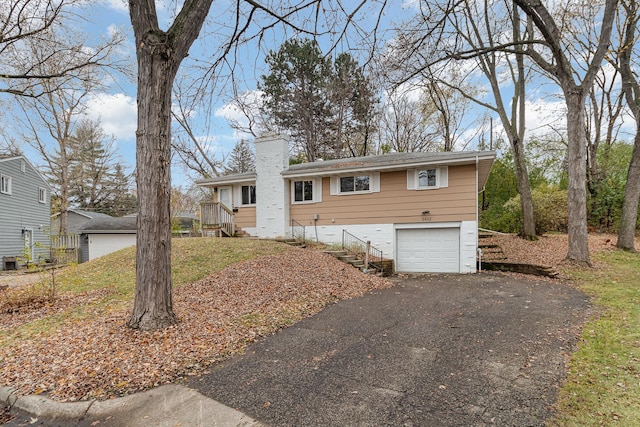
425, 212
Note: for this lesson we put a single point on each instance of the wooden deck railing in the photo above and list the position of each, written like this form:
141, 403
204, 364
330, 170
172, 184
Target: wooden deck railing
216, 216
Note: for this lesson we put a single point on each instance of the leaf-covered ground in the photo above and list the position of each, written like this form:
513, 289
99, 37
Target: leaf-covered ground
94, 355
549, 250
78, 347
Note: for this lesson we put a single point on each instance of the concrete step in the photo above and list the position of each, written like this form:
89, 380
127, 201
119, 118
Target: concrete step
347, 258
336, 253
358, 263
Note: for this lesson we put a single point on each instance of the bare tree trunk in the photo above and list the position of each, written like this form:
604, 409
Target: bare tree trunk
153, 303
629, 216
524, 188
631, 88
64, 210
159, 56
578, 251
562, 69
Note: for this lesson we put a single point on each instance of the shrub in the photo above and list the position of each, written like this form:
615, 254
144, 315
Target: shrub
549, 206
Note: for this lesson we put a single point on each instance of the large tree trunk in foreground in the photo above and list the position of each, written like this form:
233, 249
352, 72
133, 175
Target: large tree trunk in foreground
562, 69
153, 303
629, 216
159, 56
578, 251
631, 88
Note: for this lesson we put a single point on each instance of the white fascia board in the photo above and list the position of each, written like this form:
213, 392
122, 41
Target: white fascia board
108, 232
216, 182
383, 168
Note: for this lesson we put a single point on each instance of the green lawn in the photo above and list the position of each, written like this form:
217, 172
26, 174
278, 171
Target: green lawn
603, 383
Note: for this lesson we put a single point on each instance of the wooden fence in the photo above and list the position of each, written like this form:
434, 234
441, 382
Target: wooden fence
65, 249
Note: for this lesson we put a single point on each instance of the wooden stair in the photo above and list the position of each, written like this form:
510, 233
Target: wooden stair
493, 258
492, 252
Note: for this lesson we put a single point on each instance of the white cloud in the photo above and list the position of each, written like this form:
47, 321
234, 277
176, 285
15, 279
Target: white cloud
117, 113
411, 4
232, 112
117, 5
113, 30
544, 117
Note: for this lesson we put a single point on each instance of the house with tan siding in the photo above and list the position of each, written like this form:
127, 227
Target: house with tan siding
419, 209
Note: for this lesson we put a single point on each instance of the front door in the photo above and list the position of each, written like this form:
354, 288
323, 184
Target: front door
224, 196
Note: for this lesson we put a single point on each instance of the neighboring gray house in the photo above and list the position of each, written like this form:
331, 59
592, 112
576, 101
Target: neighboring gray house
101, 236
76, 218
25, 213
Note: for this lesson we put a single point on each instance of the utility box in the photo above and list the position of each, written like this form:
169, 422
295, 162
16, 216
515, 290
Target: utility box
9, 263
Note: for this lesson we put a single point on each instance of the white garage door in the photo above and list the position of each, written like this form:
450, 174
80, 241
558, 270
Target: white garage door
102, 244
428, 250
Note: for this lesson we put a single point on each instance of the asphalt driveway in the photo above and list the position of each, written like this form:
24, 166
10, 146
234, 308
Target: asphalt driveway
435, 350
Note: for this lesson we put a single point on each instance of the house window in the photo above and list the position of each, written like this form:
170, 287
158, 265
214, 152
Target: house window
353, 184
5, 184
248, 194
42, 195
303, 191
23, 167
306, 191
427, 178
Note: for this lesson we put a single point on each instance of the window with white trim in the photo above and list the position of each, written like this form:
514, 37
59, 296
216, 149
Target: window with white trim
303, 191
428, 178
248, 195
42, 195
5, 184
355, 184
306, 191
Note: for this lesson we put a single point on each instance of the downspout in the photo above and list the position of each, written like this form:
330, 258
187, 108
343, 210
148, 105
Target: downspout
478, 250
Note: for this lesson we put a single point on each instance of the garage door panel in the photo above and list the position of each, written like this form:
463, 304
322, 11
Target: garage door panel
434, 250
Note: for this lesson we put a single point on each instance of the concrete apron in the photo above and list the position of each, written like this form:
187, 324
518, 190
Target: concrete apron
165, 406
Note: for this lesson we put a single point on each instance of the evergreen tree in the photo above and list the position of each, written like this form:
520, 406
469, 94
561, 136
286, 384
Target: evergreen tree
98, 182
241, 159
326, 107
352, 102
294, 94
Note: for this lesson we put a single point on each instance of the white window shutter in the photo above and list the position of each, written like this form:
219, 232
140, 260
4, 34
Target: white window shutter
411, 179
317, 190
374, 181
335, 182
444, 176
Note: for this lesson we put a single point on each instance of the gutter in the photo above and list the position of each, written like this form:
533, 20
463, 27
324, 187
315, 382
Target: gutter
391, 167
478, 250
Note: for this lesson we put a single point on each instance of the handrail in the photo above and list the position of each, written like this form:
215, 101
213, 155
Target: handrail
298, 231
372, 256
217, 215
227, 220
